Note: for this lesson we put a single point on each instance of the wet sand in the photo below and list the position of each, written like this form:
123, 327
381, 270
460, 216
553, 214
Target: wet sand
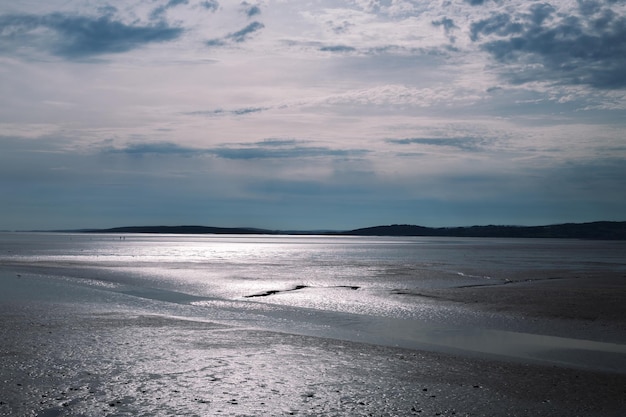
597, 299
63, 358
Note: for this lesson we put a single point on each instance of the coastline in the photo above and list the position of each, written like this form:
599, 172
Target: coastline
68, 353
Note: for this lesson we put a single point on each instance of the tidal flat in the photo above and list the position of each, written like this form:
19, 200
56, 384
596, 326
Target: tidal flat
101, 328
61, 361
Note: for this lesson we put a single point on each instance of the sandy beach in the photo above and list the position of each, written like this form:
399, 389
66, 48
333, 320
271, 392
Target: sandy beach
80, 358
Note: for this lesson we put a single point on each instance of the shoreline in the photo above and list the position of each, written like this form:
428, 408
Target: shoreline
458, 320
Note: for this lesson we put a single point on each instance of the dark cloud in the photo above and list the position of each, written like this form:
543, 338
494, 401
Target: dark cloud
281, 149
446, 23
237, 37
159, 11
215, 42
281, 152
587, 49
210, 5
173, 3
253, 11
337, 48
268, 149
499, 24
589, 7
242, 35
74, 37
236, 112
467, 143
161, 148
279, 142
540, 12
247, 110
107, 10
339, 28
448, 26
250, 10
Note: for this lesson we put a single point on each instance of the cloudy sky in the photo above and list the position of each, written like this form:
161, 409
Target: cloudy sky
311, 115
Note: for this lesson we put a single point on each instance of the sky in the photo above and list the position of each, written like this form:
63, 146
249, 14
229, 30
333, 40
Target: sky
311, 115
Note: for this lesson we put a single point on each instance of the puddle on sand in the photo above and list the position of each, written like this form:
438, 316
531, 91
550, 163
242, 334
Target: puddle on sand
516, 345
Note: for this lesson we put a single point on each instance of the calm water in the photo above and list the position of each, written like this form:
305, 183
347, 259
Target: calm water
347, 287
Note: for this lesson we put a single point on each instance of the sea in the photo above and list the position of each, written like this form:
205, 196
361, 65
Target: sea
364, 289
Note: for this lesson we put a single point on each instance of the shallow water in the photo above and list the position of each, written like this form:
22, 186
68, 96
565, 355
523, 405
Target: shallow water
351, 288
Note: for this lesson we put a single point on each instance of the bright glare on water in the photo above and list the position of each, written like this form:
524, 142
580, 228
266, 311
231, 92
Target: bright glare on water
364, 288
362, 275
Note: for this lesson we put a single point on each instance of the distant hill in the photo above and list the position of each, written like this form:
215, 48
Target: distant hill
185, 230
593, 230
